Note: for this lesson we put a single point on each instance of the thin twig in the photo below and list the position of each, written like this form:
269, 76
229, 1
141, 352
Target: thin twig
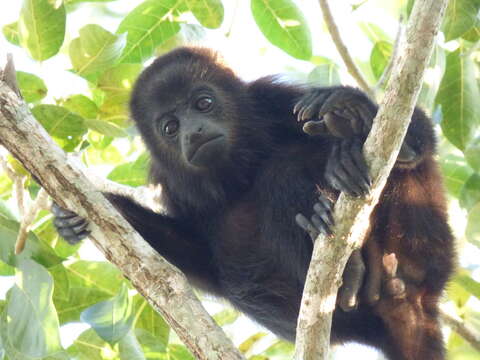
342, 49
40, 203
388, 69
457, 325
18, 182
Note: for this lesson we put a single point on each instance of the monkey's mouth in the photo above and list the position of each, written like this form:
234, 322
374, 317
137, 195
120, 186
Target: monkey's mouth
201, 147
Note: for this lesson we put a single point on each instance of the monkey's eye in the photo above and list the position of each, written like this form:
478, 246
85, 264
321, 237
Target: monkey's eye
170, 128
204, 103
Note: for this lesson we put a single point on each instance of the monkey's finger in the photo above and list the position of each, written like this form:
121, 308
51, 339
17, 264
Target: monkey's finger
313, 128
364, 115
353, 277
306, 225
337, 100
71, 236
303, 103
373, 284
356, 152
321, 225
60, 212
325, 214
68, 222
355, 123
336, 176
337, 125
350, 186
311, 110
350, 167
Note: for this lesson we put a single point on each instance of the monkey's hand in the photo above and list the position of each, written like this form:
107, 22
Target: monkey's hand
69, 225
321, 221
353, 276
342, 112
346, 168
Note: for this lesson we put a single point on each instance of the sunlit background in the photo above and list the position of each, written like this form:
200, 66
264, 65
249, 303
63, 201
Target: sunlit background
250, 54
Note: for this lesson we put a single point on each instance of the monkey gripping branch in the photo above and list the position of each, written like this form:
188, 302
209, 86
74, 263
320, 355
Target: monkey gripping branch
381, 149
162, 285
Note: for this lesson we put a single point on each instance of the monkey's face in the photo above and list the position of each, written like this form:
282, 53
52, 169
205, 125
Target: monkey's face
188, 122
195, 126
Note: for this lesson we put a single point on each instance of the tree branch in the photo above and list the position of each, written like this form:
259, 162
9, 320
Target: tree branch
461, 329
342, 49
381, 149
388, 69
163, 286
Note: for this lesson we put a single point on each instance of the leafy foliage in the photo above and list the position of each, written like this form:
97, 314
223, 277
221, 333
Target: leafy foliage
54, 285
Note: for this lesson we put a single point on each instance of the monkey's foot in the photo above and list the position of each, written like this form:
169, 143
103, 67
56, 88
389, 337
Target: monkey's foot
69, 225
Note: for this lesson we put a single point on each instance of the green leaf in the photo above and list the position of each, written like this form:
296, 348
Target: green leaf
473, 35
59, 121
6, 211
6, 270
31, 86
149, 25
455, 173
209, 13
470, 194
81, 285
284, 25
326, 74
117, 83
460, 17
130, 348
379, 57
473, 225
280, 350
42, 27
147, 320
111, 319
472, 154
81, 105
458, 96
69, 2
226, 317
133, 173
374, 32
248, 344
105, 128
457, 294
30, 327
95, 50
89, 346
466, 281
10, 31
431, 84
179, 352
34, 248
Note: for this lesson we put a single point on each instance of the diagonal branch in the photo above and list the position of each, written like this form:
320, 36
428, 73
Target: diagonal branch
163, 286
381, 149
342, 49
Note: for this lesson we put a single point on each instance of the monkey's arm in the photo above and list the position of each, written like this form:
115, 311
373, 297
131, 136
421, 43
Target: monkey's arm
172, 239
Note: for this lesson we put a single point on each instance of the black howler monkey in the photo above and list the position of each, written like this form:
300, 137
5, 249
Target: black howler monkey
238, 171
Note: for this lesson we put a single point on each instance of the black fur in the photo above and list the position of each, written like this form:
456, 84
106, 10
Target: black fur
230, 227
